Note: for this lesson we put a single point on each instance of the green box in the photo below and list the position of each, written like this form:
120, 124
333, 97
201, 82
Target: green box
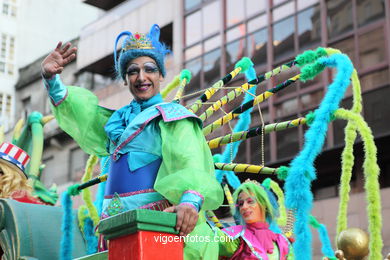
129, 222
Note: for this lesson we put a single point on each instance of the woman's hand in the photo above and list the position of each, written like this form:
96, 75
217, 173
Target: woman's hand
55, 62
186, 218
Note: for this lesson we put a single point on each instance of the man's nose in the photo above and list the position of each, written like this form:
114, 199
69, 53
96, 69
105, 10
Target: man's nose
141, 75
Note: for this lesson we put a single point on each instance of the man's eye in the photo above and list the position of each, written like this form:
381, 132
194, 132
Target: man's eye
133, 71
151, 69
240, 204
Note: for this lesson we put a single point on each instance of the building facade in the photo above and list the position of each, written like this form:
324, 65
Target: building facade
25, 36
208, 37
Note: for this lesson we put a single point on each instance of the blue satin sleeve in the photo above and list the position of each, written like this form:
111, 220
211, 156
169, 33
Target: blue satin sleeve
193, 199
57, 91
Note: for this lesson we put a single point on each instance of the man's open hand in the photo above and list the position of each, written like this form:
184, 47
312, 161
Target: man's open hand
55, 62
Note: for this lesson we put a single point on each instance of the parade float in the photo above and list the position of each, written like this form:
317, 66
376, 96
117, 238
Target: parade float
30, 231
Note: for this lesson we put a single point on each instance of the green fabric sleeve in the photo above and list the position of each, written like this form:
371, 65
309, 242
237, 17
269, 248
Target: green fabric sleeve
227, 247
80, 116
187, 164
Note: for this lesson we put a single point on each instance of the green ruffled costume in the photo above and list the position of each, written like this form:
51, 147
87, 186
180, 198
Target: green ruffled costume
187, 161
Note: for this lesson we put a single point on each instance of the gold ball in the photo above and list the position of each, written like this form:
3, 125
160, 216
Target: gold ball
353, 242
339, 254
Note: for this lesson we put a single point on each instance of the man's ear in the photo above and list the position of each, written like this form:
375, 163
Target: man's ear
125, 82
161, 78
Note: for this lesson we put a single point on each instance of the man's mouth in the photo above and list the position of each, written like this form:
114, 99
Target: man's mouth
143, 86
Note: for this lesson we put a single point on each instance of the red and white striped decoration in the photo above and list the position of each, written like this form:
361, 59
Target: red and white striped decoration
14, 155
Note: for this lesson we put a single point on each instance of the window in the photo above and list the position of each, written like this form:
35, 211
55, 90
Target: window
234, 52
235, 12
6, 109
189, 4
211, 64
309, 28
211, 15
283, 34
372, 48
7, 54
287, 142
193, 28
339, 19
9, 8
369, 11
194, 66
257, 46
254, 6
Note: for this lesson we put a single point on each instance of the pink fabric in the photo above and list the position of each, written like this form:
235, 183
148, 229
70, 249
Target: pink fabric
261, 238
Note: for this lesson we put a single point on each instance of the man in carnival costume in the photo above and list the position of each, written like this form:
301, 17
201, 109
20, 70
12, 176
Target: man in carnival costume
257, 209
158, 154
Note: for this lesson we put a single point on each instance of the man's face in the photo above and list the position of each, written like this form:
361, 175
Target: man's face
250, 210
143, 77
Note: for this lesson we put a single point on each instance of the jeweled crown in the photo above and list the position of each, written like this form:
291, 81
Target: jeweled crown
138, 41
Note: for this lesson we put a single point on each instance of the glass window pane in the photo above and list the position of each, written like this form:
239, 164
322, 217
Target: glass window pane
13, 11
372, 48
235, 33
234, 12
211, 18
375, 79
10, 69
309, 28
339, 18
212, 43
257, 150
189, 4
2, 67
347, 47
287, 108
257, 23
193, 52
194, 66
193, 28
377, 110
211, 64
254, 6
283, 11
369, 11
5, 8
283, 33
257, 46
302, 4
311, 100
234, 52
277, 2
287, 141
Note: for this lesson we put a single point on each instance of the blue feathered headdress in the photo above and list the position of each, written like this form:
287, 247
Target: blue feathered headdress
138, 45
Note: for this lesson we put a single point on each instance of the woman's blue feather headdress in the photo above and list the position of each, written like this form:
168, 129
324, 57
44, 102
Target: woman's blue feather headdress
137, 45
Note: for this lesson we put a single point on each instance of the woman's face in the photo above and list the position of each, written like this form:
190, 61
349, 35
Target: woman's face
250, 210
143, 77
